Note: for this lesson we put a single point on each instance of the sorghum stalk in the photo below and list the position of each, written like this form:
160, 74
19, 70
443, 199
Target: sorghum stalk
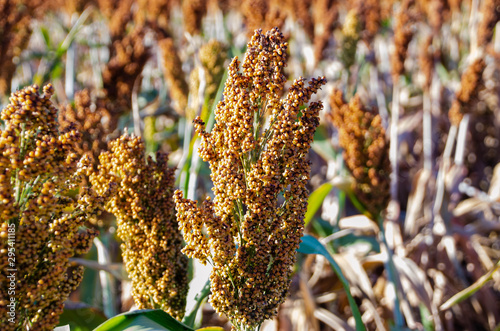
426, 61
403, 34
41, 223
252, 228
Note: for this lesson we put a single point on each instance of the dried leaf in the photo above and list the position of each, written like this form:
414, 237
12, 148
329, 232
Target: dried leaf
332, 320
416, 201
494, 191
359, 222
464, 294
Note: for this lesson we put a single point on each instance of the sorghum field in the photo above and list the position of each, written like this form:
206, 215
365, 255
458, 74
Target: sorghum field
249, 165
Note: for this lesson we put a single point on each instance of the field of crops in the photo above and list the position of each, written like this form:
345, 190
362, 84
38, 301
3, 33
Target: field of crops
250, 165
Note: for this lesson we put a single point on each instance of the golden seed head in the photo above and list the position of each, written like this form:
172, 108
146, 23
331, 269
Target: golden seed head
366, 151
38, 169
144, 209
249, 232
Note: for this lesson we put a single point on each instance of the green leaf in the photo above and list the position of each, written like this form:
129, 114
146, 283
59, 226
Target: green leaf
189, 319
323, 228
143, 320
352, 239
46, 37
322, 145
209, 116
107, 282
359, 205
82, 319
316, 200
90, 282
55, 56
311, 245
57, 70
426, 318
70, 37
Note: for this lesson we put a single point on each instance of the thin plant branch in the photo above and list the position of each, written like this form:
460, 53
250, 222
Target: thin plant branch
466, 293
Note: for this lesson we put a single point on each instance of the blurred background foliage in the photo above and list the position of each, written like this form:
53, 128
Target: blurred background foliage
417, 79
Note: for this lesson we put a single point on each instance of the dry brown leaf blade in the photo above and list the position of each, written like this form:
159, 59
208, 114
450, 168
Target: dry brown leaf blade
359, 222
418, 284
332, 320
494, 191
354, 272
416, 201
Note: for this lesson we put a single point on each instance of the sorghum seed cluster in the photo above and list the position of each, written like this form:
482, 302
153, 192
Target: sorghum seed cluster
175, 77
39, 167
366, 151
144, 209
470, 84
250, 231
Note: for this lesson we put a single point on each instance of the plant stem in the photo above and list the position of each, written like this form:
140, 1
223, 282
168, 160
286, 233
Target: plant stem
392, 276
135, 108
394, 207
427, 131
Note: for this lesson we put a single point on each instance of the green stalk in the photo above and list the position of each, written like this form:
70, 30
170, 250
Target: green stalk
392, 276
464, 294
